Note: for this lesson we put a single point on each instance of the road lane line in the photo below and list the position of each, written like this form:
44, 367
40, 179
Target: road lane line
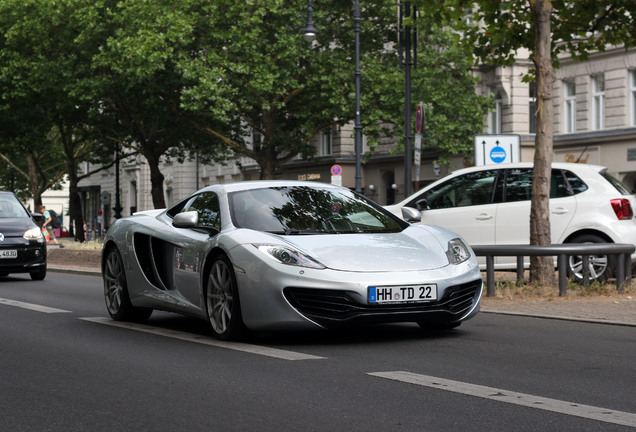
31, 306
205, 340
554, 405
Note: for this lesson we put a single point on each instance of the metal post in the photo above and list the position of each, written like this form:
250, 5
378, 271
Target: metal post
358, 124
490, 275
117, 207
563, 273
408, 157
520, 270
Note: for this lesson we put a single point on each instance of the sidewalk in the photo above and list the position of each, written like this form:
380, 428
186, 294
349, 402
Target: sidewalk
615, 309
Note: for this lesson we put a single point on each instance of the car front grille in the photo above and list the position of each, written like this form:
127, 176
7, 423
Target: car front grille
330, 307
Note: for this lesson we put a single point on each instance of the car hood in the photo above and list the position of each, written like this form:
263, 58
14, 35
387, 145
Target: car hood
15, 227
411, 250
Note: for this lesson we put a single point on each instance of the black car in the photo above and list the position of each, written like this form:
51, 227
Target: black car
22, 245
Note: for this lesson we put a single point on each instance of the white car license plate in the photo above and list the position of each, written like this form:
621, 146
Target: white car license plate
402, 294
10, 253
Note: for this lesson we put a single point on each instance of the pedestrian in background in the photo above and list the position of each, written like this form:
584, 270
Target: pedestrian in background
47, 224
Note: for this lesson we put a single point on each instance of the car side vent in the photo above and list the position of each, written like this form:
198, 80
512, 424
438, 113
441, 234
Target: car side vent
143, 253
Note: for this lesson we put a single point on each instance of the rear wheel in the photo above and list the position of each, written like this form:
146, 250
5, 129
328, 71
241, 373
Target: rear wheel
116, 291
601, 267
222, 300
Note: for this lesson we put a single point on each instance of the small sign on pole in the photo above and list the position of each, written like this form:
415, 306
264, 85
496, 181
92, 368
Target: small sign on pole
336, 175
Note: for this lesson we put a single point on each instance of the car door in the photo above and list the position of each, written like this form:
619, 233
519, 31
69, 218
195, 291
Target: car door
513, 213
464, 204
191, 245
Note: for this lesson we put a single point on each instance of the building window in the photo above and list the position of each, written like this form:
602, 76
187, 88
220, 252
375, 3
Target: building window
532, 106
569, 112
325, 142
598, 105
494, 116
633, 96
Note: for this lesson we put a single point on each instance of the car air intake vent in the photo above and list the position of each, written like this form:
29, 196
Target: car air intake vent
336, 306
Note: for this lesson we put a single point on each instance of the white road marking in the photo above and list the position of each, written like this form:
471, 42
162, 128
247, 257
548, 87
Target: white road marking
205, 340
554, 405
31, 306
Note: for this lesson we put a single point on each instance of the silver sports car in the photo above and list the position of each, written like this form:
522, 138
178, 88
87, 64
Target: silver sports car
273, 255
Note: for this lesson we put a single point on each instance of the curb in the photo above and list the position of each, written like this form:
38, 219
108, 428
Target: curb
561, 318
80, 271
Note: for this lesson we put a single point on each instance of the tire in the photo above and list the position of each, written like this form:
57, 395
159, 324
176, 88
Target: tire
39, 275
601, 266
222, 301
116, 291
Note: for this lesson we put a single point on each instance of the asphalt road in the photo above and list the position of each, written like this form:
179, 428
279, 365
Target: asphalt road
64, 366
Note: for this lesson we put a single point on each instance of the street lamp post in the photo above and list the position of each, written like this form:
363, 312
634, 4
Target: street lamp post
309, 33
117, 207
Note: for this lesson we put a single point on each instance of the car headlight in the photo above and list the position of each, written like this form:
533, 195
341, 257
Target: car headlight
33, 234
457, 251
285, 255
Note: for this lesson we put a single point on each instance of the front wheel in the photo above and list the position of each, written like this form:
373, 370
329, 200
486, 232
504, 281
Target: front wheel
222, 300
116, 291
600, 268
38, 275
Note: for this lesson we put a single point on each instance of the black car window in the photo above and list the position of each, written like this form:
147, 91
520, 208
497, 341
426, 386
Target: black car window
575, 184
518, 184
207, 206
469, 189
558, 185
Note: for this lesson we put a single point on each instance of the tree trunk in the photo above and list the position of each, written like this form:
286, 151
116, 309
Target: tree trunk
268, 166
34, 182
542, 268
156, 181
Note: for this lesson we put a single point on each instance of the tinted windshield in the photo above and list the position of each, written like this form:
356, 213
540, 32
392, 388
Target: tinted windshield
308, 210
10, 207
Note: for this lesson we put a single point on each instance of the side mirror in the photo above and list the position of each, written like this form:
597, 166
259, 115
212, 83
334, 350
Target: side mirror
421, 204
186, 220
411, 215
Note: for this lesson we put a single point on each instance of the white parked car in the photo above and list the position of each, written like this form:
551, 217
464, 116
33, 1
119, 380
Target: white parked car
490, 205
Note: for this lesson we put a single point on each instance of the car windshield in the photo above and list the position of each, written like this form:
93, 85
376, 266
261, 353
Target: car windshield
11, 208
308, 210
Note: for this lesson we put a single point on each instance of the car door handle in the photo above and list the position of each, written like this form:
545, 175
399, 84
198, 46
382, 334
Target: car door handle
560, 210
483, 216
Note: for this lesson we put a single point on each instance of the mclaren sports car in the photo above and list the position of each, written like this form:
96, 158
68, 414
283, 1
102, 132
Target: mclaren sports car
275, 255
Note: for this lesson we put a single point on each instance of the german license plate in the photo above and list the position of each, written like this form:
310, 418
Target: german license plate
9, 253
402, 294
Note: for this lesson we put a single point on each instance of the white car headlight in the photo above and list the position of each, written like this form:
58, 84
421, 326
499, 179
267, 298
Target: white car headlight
33, 234
285, 255
457, 251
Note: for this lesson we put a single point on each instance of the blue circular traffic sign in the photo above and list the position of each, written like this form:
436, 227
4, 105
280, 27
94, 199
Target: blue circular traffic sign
498, 154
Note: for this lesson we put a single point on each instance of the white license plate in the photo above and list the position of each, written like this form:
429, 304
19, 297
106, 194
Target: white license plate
402, 294
11, 253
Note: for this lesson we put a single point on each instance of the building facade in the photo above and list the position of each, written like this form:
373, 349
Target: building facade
594, 119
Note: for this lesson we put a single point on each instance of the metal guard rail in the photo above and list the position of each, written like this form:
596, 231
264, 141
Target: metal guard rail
561, 251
